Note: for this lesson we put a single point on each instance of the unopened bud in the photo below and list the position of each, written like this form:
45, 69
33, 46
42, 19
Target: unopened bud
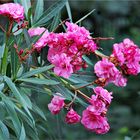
21, 52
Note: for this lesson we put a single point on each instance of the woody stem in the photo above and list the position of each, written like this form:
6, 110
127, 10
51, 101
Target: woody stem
2, 28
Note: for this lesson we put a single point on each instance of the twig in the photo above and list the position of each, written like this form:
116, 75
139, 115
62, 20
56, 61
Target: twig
90, 84
72, 101
60, 24
2, 28
103, 38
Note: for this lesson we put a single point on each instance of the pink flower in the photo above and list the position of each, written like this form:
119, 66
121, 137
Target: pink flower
42, 42
72, 117
93, 122
107, 70
71, 27
103, 94
97, 106
57, 103
128, 55
62, 65
13, 11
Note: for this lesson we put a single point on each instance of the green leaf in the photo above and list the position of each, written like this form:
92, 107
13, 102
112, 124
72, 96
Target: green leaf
4, 130
85, 16
2, 50
27, 38
64, 91
69, 11
14, 62
38, 10
1, 86
50, 13
17, 1
26, 98
37, 110
36, 71
22, 133
55, 22
39, 81
17, 94
29, 15
13, 115
4, 61
16, 31
89, 62
26, 4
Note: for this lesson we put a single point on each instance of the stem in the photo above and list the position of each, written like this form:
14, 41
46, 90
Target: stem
10, 28
72, 101
85, 96
90, 84
60, 25
74, 89
4, 59
103, 38
2, 28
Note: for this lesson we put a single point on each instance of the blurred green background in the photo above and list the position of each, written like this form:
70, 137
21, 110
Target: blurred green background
119, 19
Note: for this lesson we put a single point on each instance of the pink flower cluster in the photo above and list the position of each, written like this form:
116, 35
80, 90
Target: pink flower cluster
13, 11
128, 55
93, 118
71, 45
57, 103
42, 42
107, 70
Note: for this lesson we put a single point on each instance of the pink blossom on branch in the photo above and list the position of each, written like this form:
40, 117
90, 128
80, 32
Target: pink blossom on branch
72, 117
62, 65
128, 55
107, 70
75, 43
57, 103
97, 106
103, 94
13, 11
42, 42
94, 122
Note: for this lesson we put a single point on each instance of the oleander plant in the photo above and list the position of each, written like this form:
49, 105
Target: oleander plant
42, 54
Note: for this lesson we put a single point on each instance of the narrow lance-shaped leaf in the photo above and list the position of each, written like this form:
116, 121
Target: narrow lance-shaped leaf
17, 94
14, 62
27, 38
39, 81
69, 11
4, 130
22, 133
87, 60
26, 4
12, 113
50, 13
55, 22
81, 19
38, 10
36, 71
